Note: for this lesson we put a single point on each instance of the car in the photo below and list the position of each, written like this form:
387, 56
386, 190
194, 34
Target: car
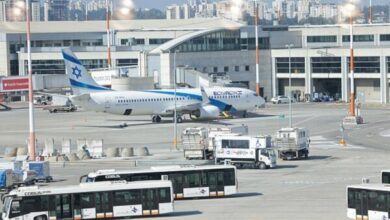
280, 99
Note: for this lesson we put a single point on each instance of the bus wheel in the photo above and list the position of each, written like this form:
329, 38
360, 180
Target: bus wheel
41, 217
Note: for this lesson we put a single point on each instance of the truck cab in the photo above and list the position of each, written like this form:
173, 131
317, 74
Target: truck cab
245, 150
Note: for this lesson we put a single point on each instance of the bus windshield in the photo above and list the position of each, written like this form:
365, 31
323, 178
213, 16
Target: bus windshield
7, 202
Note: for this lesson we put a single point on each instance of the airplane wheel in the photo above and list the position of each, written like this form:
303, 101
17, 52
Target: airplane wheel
179, 119
154, 119
244, 114
158, 119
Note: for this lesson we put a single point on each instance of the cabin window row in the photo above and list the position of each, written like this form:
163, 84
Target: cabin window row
152, 100
184, 179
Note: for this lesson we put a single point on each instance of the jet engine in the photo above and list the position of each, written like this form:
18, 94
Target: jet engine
206, 112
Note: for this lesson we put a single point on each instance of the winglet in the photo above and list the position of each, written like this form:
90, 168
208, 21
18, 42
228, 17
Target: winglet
205, 98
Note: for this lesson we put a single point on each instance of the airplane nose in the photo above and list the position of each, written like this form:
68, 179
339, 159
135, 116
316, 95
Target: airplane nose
261, 102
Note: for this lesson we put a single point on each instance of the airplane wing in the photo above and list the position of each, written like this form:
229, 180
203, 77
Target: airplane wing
183, 109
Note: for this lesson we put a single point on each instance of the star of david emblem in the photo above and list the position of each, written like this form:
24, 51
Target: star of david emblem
76, 72
203, 191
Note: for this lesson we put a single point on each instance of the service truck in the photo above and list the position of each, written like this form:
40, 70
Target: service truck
9, 179
292, 143
245, 150
42, 170
198, 142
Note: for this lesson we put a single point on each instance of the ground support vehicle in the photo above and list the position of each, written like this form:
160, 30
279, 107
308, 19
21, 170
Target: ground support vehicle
292, 143
368, 201
42, 170
245, 150
187, 181
104, 200
198, 142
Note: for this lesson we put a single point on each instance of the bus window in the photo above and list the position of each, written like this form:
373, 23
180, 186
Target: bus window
65, 205
149, 199
351, 198
229, 177
103, 202
177, 182
192, 179
129, 197
377, 201
386, 177
165, 195
139, 177
87, 201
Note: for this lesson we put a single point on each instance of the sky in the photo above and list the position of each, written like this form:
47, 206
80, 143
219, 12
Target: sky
160, 4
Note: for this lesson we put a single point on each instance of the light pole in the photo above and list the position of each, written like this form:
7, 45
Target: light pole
108, 15
175, 102
31, 147
257, 49
289, 84
351, 67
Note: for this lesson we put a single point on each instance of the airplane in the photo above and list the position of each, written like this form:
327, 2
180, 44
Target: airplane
199, 103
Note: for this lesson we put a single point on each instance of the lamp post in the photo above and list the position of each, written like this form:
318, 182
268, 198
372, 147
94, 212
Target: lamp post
108, 17
351, 66
257, 49
289, 85
175, 102
32, 143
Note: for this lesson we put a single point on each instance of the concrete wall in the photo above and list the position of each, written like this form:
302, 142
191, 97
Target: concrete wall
296, 84
133, 83
4, 63
208, 60
366, 89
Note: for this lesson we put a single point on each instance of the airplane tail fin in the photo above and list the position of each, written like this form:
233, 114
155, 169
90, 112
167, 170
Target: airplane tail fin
205, 98
80, 80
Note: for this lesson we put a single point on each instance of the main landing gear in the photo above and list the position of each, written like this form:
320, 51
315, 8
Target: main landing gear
156, 119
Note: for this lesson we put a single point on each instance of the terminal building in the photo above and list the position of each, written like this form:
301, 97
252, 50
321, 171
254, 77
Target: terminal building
204, 51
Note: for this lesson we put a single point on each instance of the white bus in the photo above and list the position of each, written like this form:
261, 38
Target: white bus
89, 201
187, 181
368, 201
385, 176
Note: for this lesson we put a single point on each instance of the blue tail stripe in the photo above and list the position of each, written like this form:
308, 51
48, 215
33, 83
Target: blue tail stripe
71, 59
86, 86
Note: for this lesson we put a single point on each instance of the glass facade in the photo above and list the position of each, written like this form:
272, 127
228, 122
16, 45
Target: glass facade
388, 64
365, 64
297, 65
326, 64
359, 38
58, 66
126, 62
222, 41
158, 40
322, 39
385, 37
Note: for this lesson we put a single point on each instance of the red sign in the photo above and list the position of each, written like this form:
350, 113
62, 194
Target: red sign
14, 84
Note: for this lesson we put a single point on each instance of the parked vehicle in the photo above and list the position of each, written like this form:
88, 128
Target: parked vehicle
198, 142
280, 99
292, 143
245, 150
42, 170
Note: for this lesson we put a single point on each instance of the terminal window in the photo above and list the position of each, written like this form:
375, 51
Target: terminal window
365, 64
326, 64
297, 65
321, 39
359, 38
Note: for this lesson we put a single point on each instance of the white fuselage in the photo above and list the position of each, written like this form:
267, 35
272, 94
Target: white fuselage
162, 102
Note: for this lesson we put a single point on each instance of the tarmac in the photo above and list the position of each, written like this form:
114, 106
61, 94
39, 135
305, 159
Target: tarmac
298, 189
